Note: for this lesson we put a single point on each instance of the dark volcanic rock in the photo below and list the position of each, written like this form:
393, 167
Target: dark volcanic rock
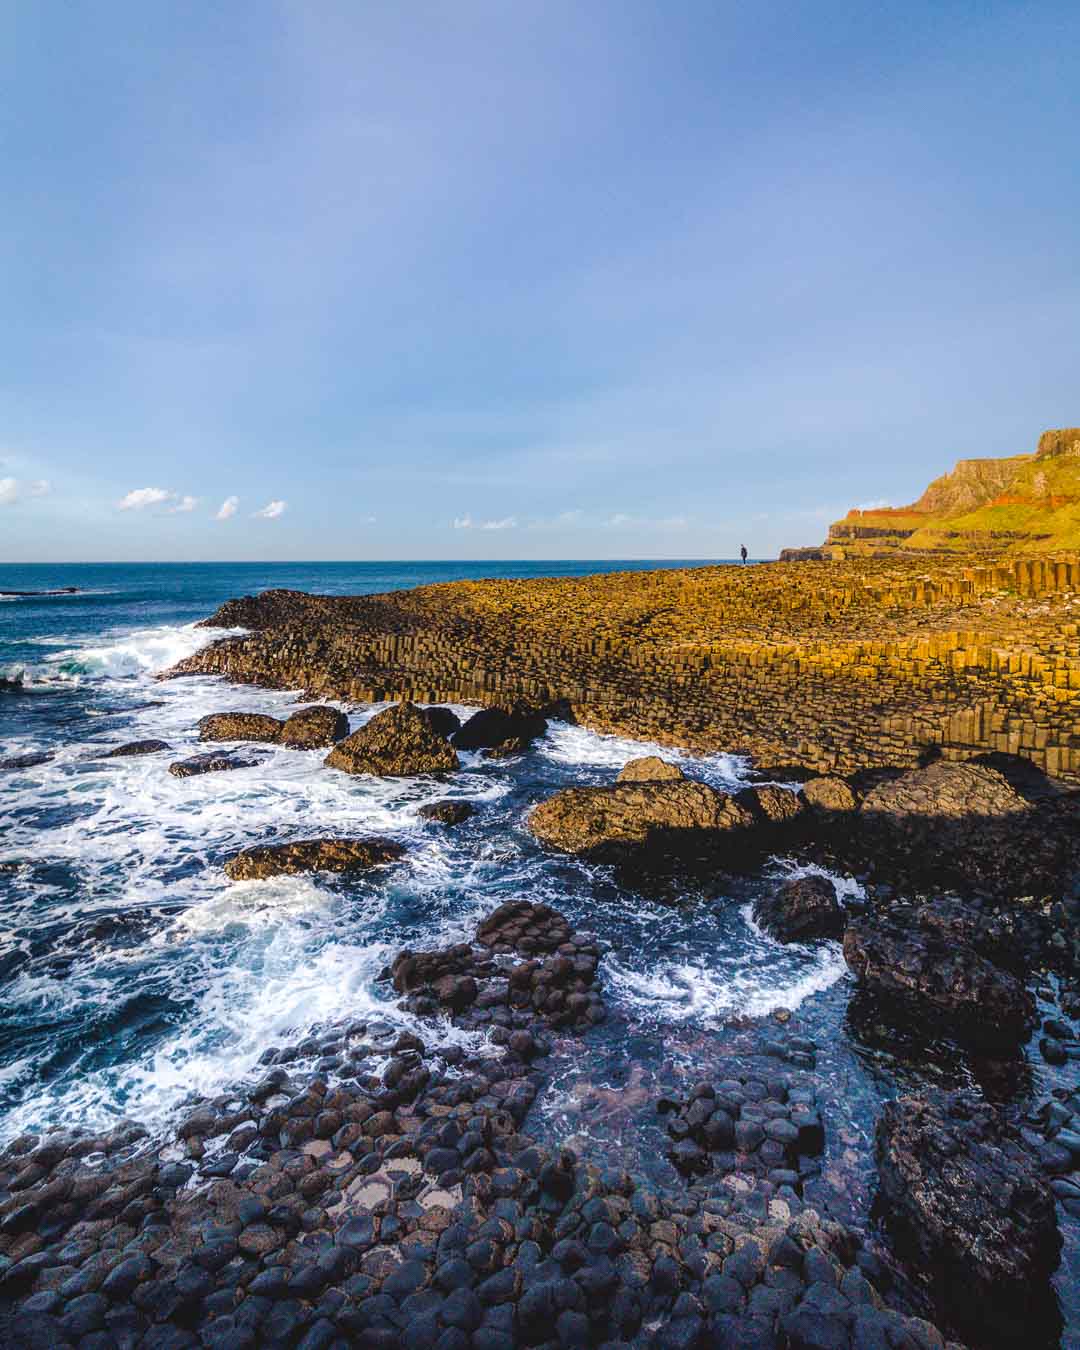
801, 910
976, 826
942, 984
445, 721
398, 742
314, 728
212, 762
447, 812
137, 748
649, 769
605, 820
30, 761
240, 726
965, 1203
312, 855
492, 726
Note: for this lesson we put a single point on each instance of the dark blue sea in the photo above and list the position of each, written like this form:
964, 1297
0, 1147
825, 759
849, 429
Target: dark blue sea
134, 975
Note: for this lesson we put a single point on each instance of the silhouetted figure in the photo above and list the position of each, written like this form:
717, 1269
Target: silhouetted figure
743, 552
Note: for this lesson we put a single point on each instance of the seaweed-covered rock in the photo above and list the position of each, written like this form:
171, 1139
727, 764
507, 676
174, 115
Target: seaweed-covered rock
942, 984
447, 812
240, 726
606, 820
313, 728
965, 1203
801, 910
399, 742
212, 762
312, 855
132, 748
649, 769
492, 726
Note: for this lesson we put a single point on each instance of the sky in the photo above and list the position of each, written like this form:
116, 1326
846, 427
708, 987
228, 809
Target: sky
305, 279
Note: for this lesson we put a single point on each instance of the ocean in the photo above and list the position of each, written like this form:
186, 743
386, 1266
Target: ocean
136, 977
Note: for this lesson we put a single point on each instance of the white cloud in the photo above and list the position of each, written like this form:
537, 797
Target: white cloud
271, 511
467, 523
880, 505
139, 498
228, 508
184, 504
11, 489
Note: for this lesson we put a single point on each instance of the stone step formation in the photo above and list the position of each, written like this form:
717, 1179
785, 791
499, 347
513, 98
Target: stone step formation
830, 668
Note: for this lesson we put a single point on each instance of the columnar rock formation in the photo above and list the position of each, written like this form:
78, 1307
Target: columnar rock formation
832, 667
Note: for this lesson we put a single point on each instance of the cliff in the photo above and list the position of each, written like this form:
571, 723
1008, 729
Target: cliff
1023, 503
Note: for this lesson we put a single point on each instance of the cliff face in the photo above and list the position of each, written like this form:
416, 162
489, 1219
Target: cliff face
1022, 503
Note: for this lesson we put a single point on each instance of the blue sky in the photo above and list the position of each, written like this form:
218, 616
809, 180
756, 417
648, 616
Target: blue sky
522, 279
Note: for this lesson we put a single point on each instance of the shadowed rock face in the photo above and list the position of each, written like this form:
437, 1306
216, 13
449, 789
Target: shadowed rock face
315, 727
30, 761
801, 910
312, 855
597, 820
943, 985
967, 1205
399, 742
240, 726
492, 727
649, 769
447, 813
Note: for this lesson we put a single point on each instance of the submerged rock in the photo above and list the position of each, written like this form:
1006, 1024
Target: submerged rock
212, 762
964, 1201
399, 742
606, 820
492, 726
312, 855
150, 747
313, 728
28, 761
801, 910
240, 726
945, 985
649, 769
447, 812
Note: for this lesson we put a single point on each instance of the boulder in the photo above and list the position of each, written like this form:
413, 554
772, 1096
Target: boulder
801, 910
447, 812
312, 855
445, 721
137, 748
829, 795
771, 805
240, 726
965, 1204
973, 826
649, 769
604, 821
946, 986
213, 762
313, 728
492, 726
399, 742
28, 761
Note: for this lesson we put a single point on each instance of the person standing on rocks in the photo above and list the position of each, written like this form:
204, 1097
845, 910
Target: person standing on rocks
742, 552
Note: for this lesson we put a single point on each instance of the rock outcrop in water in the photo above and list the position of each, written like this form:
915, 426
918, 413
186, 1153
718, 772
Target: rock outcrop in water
212, 762
491, 728
240, 726
447, 812
649, 769
801, 910
134, 748
312, 855
398, 742
313, 728
967, 1205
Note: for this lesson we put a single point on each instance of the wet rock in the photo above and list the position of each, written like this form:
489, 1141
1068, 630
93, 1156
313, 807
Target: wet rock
605, 821
29, 761
828, 795
649, 769
447, 812
208, 763
494, 726
947, 987
398, 742
965, 1203
445, 721
312, 855
240, 726
150, 747
801, 910
313, 728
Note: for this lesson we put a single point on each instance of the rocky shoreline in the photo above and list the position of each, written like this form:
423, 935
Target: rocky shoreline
390, 1188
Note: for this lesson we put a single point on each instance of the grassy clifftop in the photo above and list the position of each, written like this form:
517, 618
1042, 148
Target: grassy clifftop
1023, 503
